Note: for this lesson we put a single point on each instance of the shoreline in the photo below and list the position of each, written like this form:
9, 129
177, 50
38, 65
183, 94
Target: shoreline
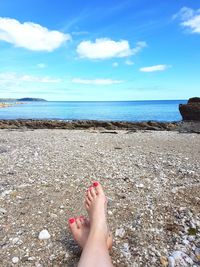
89, 124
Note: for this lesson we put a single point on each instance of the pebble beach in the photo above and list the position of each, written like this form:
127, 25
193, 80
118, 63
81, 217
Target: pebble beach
151, 179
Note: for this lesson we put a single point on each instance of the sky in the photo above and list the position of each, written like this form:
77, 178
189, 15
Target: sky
100, 50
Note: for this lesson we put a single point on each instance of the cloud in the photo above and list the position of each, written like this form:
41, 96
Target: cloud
41, 65
115, 64
15, 78
105, 48
30, 35
96, 81
129, 62
154, 68
190, 19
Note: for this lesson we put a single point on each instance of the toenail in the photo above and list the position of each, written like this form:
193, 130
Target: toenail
95, 184
71, 220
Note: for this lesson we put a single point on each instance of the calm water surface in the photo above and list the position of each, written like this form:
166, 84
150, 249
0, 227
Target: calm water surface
158, 110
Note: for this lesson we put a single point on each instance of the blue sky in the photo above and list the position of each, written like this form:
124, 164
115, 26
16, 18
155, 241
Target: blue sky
100, 50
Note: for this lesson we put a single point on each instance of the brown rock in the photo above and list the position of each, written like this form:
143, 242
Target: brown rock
191, 110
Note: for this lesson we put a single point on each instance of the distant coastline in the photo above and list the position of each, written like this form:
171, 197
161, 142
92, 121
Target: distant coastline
21, 99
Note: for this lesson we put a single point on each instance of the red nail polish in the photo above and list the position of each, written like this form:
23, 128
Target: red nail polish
95, 184
72, 220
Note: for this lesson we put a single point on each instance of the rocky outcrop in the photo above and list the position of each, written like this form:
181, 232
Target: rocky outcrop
191, 110
31, 99
88, 124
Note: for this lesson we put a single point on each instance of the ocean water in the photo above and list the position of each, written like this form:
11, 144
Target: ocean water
157, 110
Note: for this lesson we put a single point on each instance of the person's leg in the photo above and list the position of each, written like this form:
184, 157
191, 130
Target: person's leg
95, 252
80, 228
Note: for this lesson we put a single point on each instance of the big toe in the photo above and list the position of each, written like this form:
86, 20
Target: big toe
99, 188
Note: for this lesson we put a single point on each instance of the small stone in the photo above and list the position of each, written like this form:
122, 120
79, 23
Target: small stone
67, 255
164, 261
110, 212
15, 259
52, 257
3, 211
139, 185
197, 253
17, 241
125, 251
53, 216
171, 262
120, 232
44, 235
191, 238
174, 190
181, 259
31, 258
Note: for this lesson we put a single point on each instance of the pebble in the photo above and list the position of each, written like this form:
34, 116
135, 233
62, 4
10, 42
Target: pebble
139, 185
120, 232
171, 262
15, 259
197, 253
191, 238
67, 255
164, 261
44, 235
181, 259
3, 211
31, 258
125, 251
17, 241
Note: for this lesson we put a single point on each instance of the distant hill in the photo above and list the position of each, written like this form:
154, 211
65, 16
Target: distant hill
21, 99
30, 99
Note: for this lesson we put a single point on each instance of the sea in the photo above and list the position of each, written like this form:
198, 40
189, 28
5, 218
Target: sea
156, 110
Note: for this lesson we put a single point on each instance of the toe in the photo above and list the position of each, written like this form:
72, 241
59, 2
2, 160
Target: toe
86, 222
89, 194
87, 201
72, 225
82, 219
93, 192
78, 222
87, 206
98, 188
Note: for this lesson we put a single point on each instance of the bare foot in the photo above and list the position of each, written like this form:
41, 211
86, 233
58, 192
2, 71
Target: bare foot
80, 228
96, 206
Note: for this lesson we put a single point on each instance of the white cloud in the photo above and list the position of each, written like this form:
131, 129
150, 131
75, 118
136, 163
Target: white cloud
41, 65
96, 81
154, 68
105, 48
30, 35
190, 18
129, 62
15, 78
184, 13
115, 64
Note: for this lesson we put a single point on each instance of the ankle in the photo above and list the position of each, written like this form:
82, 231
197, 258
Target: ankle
98, 236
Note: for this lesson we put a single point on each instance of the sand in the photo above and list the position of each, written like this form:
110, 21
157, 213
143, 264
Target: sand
151, 179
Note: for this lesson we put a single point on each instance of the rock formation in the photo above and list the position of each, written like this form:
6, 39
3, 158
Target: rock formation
191, 110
